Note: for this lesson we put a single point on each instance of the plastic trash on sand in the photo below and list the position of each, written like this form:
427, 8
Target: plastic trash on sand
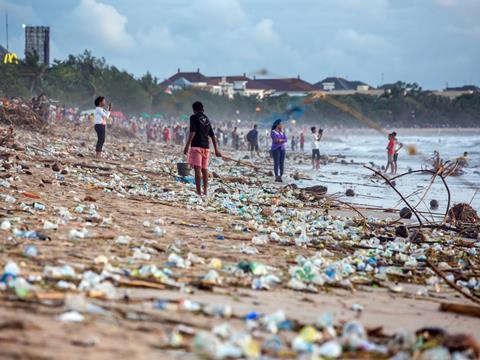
71, 316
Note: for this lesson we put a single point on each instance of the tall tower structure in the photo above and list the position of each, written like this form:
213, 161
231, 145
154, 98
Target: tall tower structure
37, 40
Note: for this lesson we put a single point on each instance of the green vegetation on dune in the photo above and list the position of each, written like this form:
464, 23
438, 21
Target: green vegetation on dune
76, 80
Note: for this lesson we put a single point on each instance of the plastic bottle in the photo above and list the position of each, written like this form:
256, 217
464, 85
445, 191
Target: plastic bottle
6, 225
215, 263
331, 350
39, 206
260, 240
10, 199
30, 251
22, 287
29, 234
10, 273
47, 225
218, 310
273, 344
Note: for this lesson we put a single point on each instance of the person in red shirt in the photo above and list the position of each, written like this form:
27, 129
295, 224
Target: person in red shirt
166, 134
390, 153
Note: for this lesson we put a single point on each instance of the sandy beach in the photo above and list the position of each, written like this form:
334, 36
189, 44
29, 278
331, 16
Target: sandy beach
122, 215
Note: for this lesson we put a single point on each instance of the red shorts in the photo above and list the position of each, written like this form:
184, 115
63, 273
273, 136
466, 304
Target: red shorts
198, 157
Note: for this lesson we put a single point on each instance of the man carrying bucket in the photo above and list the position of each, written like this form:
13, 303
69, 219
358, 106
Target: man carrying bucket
198, 143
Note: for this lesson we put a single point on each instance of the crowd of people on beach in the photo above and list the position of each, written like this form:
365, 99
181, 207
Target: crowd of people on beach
196, 138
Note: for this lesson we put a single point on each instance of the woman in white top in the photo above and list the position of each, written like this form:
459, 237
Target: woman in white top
101, 115
315, 148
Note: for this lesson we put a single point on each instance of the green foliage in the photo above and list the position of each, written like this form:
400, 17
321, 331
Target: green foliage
78, 79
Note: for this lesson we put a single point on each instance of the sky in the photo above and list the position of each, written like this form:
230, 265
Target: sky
432, 42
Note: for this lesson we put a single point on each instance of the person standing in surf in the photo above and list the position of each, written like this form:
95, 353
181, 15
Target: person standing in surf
315, 145
390, 153
398, 146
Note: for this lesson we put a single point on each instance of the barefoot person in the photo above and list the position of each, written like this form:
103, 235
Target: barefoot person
302, 141
390, 153
279, 139
398, 146
252, 139
100, 120
198, 145
315, 144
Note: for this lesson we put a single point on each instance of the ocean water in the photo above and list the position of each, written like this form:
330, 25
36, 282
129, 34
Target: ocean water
364, 147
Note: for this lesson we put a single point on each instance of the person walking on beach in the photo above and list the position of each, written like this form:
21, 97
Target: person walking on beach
398, 146
302, 141
279, 139
100, 120
390, 153
198, 145
315, 143
293, 143
235, 139
252, 139
166, 135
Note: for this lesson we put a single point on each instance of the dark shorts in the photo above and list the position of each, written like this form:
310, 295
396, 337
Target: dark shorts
395, 157
315, 154
253, 146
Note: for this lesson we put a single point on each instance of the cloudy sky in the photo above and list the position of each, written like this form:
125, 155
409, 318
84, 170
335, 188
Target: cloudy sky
433, 42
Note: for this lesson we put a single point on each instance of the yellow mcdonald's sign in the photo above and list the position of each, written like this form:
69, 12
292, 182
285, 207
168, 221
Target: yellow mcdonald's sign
10, 58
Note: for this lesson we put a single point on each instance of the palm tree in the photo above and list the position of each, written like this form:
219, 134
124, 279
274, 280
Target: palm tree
151, 86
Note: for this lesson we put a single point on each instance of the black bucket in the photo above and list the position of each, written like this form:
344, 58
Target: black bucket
183, 169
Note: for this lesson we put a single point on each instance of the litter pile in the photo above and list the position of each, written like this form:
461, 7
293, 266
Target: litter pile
17, 112
97, 252
463, 213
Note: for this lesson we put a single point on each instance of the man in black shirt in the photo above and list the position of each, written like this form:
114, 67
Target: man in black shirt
252, 138
198, 143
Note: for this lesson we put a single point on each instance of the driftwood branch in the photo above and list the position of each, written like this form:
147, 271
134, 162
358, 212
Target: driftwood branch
451, 283
412, 209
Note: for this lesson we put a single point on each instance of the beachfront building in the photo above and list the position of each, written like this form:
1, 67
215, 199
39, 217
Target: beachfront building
341, 86
453, 92
228, 85
182, 80
239, 84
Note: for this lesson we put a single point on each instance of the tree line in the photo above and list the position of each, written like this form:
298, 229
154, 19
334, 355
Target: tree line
78, 79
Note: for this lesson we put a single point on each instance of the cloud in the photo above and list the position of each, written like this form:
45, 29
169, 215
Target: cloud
157, 37
103, 25
264, 32
23, 12
227, 12
362, 42
219, 29
470, 31
447, 3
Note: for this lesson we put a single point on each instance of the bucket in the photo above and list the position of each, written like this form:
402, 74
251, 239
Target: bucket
183, 169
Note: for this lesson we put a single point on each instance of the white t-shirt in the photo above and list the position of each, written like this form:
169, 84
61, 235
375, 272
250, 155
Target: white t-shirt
101, 115
315, 143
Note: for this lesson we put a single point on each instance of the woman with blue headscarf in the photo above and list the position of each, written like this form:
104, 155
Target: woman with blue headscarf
279, 139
